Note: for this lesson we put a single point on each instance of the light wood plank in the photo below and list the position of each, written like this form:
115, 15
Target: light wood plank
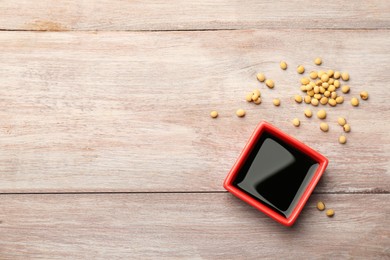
129, 111
191, 226
184, 15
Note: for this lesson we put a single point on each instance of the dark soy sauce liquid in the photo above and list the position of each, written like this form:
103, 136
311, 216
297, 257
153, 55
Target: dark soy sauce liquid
276, 174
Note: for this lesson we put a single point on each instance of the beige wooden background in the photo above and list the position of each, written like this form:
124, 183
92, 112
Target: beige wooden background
107, 150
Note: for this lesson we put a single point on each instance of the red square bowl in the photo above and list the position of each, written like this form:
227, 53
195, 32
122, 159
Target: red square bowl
275, 173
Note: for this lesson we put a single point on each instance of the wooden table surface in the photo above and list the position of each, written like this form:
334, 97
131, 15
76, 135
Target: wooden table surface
107, 150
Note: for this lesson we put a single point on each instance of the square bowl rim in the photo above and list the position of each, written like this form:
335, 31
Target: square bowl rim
262, 127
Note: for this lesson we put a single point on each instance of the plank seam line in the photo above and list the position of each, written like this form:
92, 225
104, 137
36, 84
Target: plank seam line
172, 192
204, 29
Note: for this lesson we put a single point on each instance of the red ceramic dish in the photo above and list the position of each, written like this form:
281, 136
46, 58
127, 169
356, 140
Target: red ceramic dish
266, 128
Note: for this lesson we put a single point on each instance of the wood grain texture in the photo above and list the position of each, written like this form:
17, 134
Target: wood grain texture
190, 226
129, 111
88, 110
184, 15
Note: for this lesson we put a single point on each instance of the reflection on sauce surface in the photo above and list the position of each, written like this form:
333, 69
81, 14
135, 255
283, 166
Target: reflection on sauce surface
276, 173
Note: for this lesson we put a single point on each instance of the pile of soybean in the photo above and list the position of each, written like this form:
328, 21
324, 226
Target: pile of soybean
321, 87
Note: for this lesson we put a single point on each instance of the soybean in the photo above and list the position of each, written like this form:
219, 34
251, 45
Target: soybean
318, 61
240, 112
345, 89
347, 128
321, 114
305, 81
260, 77
342, 139
324, 78
307, 99
309, 87
308, 113
337, 75
255, 96
324, 100
248, 97
300, 69
345, 76
339, 100
298, 99
355, 102
283, 65
341, 121
313, 74
320, 205
324, 127
214, 114
327, 93
314, 102
270, 83
332, 102
296, 122
257, 101
330, 212
276, 102
364, 95
336, 83
257, 91
317, 96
